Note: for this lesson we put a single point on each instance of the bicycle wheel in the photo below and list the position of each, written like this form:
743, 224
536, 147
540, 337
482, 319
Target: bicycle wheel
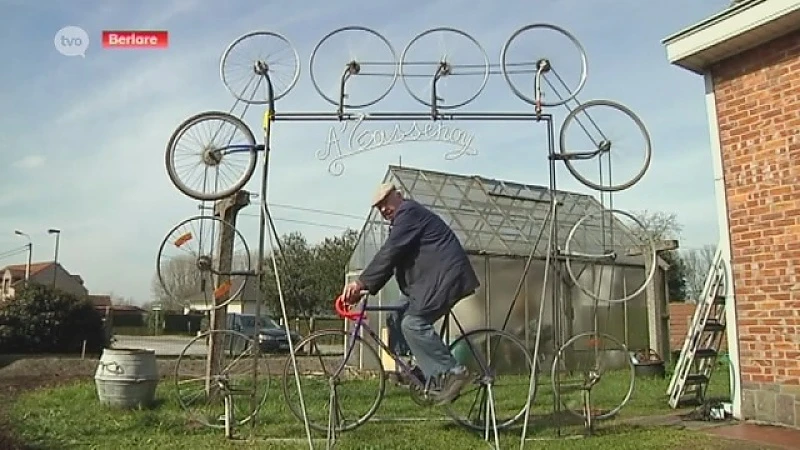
189, 254
601, 242
323, 354
560, 56
227, 140
466, 59
253, 52
200, 387
367, 54
594, 147
492, 355
589, 360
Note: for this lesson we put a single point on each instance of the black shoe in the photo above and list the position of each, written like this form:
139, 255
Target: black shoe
405, 379
418, 374
451, 387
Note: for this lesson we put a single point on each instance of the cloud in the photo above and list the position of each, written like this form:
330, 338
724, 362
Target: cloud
30, 162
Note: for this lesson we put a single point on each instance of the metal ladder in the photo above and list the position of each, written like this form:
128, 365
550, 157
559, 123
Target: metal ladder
703, 340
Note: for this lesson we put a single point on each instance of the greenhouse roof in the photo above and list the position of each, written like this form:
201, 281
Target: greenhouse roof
500, 217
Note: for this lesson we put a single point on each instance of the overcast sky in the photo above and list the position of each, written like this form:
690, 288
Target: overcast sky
83, 139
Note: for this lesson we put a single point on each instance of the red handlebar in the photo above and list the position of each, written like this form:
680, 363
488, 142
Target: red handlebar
345, 311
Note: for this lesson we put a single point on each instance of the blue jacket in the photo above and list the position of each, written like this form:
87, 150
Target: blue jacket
427, 260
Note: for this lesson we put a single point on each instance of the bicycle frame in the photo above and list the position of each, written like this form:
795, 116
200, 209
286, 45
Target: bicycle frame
603, 147
360, 324
238, 148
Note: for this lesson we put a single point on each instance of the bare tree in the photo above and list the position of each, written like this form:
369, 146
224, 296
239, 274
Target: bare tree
698, 261
120, 300
659, 225
183, 282
181, 279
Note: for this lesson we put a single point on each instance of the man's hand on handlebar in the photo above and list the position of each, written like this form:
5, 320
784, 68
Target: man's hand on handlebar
353, 292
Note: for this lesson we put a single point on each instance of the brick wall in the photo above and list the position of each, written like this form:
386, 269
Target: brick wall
680, 319
758, 105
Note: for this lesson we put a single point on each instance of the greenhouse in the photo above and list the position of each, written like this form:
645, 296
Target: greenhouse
500, 224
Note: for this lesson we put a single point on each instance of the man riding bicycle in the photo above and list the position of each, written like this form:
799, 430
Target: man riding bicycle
433, 272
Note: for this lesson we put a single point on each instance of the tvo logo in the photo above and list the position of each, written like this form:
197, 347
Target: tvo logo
72, 41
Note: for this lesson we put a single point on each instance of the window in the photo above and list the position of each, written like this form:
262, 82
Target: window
248, 321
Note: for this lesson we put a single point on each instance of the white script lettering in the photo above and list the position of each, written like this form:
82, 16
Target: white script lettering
360, 140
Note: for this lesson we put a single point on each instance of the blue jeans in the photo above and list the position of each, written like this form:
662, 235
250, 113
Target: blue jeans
417, 335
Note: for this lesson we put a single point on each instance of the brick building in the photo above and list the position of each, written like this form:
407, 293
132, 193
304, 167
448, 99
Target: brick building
749, 56
45, 273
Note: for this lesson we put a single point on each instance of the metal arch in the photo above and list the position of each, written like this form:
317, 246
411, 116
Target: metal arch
535, 115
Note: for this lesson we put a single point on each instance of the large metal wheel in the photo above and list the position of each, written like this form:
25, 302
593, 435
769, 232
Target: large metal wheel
583, 362
543, 65
362, 52
452, 54
201, 386
329, 364
244, 60
608, 140
188, 258
597, 245
495, 357
218, 149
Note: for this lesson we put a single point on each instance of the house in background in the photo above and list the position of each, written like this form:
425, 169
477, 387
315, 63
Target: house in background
101, 303
105, 305
120, 315
244, 303
44, 273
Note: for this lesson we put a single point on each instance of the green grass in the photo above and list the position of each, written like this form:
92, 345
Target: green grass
72, 417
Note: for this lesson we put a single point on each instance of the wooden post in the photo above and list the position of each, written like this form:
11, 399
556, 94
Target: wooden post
656, 307
227, 209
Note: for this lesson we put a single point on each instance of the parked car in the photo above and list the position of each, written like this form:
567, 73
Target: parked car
271, 336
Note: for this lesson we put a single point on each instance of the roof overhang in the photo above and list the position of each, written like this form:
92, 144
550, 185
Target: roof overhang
744, 25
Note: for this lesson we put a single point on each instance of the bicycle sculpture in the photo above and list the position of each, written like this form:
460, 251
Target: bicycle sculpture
217, 258
474, 348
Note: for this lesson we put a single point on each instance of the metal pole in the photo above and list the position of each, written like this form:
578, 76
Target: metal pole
28, 265
55, 260
29, 245
57, 232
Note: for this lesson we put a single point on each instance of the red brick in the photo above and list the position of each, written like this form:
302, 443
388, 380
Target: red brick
763, 378
758, 96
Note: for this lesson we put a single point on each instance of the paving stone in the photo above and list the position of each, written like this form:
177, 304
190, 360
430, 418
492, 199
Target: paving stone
768, 437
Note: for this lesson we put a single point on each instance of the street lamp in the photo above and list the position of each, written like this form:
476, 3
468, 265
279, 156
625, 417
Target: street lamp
30, 253
57, 232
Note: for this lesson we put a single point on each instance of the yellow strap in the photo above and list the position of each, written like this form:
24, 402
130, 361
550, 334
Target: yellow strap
267, 119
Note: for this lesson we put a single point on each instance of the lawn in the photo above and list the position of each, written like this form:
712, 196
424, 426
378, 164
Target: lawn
71, 417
